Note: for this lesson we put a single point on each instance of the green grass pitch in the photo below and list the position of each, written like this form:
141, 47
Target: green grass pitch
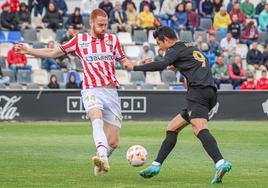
56, 154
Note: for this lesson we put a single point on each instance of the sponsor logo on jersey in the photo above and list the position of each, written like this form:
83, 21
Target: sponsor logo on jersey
99, 58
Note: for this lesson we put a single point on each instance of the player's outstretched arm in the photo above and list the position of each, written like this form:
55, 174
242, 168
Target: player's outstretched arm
41, 52
153, 66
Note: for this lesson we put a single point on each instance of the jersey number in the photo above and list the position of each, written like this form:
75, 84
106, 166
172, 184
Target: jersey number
200, 57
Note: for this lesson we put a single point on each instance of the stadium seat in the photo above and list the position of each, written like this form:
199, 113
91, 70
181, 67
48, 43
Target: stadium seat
226, 87
78, 64
32, 86
140, 36
62, 85
130, 87
59, 74
46, 35
179, 88
147, 87
218, 36
3, 64
24, 76
16, 86
2, 37
60, 33
137, 77
202, 33
244, 64
153, 78
30, 35
168, 77
86, 22
2, 86
38, 45
77, 77
151, 39
122, 77
205, 23
162, 87
9, 73
40, 77
37, 23
242, 50
14, 36
132, 52
263, 37
4, 48
125, 38
35, 63
186, 36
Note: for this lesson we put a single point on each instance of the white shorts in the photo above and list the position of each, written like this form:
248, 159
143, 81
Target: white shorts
105, 99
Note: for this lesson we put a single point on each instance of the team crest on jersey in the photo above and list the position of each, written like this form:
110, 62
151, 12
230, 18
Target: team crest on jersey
108, 43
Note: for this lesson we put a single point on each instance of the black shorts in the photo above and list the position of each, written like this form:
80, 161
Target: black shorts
199, 102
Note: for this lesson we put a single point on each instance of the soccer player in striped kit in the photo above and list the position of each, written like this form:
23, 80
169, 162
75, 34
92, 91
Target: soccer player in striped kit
98, 52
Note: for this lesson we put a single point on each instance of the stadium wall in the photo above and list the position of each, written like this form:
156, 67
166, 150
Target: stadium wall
66, 105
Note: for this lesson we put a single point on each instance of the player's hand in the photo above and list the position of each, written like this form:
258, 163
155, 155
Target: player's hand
21, 48
146, 60
129, 65
171, 68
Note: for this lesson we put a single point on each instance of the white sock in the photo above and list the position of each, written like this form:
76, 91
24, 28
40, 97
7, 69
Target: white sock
156, 163
109, 150
99, 137
219, 163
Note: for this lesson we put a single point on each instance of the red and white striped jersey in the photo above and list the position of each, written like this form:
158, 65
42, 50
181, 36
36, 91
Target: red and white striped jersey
98, 56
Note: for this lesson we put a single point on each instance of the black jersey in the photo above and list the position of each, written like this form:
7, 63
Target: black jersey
188, 60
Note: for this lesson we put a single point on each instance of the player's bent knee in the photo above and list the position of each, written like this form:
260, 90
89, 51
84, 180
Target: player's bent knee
113, 143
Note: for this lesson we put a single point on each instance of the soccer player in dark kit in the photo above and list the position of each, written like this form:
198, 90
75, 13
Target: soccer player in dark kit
201, 97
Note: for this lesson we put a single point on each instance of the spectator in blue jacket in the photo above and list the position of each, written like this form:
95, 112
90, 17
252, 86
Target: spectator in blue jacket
180, 18
209, 54
206, 8
107, 6
118, 19
61, 6
214, 45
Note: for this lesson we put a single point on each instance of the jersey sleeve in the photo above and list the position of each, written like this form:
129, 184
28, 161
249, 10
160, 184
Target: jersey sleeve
168, 59
70, 46
118, 51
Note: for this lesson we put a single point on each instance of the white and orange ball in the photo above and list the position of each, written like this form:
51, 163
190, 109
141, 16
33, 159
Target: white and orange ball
136, 155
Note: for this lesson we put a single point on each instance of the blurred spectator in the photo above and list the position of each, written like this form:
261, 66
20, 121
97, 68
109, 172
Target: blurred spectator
146, 18
17, 60
50, 63
236, 72
249, 83
235, 28
240, 14
160, 55
168, 9
222, 21
231, 4
180, 18
199, 41
125, 4
249, 34
3, 79
53, 18
118, 19
87, 6
254, 58
71, 84
107, 6
248, 9
209, 54
217, 5
76, 19
192, 18
69, 34
53, 83
150, 3
265, 56
61, 6
262, 83
213, 44
146, 52
14, 5
8, 19
260, 7
228, 45
23, 17
220, 72
38, 6
263, 19
206, 8
132, 16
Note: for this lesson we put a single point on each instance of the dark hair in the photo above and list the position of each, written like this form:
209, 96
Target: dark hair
164, 31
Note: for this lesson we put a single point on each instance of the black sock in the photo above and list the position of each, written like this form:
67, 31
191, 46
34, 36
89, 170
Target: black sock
167, 145
210, 145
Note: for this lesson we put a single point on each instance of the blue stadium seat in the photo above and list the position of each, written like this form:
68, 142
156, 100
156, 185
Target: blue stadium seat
137, 77
76, 75
30, 35
3, 62
60, 33
14, 36
2, 37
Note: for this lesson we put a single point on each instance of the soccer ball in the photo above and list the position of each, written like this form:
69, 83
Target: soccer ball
136, 155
